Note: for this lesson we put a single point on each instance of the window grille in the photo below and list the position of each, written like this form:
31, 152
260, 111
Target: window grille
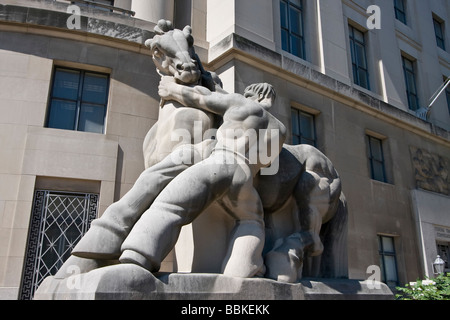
58, 221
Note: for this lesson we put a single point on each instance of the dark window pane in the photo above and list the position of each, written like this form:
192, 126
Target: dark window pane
295, 19
283, 13
358, 35
376, 150
296, 46
411, 83
388, 261
378, 171
400, 10
438, 29
292, 31
376, 159
363, 78
391, 269
297, 3
62, 115
66, 84
388, 244
295, 122
285, 40
307, 126
352, 50
441, 44
360, 56
92, 118
303, 128
95, 88
409, 65
359, 60
413, 102
447, 93
78, 100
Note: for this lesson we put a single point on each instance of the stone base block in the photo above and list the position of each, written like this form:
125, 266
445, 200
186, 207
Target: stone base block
131, 282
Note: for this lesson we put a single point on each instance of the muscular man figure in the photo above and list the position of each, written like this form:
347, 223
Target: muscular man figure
243, 140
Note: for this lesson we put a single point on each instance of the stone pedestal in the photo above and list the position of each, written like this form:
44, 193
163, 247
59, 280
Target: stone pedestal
131, 282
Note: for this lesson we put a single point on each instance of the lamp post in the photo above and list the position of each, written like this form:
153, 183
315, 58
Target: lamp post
438, 266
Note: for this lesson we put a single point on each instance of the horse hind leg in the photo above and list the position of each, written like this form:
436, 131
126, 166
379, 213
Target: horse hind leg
312, 197
334, 262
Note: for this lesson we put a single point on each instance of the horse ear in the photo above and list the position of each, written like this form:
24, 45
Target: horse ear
148, 43
187, 31
163, 26
188, 34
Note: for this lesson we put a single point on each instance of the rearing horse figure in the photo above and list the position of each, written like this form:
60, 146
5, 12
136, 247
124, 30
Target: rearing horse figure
173, 54
303, 195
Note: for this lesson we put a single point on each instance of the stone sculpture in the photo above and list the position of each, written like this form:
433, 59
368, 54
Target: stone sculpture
431, 171
282, 219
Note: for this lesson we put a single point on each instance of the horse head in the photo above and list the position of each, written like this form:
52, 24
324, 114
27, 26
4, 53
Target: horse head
173, 53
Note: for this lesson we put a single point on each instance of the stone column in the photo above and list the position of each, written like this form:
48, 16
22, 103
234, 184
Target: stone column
153, 10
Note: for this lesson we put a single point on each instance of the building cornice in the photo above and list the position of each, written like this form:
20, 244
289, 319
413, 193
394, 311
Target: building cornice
106, 27
236, 47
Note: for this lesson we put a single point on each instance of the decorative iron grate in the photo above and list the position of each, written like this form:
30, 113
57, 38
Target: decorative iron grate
58, 222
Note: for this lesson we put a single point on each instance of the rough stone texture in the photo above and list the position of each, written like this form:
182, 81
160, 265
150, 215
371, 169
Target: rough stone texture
431, 171
131, 282
111, 25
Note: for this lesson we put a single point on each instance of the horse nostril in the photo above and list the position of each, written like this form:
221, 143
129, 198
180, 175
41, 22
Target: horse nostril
180, 67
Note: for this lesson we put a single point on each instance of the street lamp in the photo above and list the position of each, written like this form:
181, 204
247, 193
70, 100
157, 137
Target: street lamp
438, 265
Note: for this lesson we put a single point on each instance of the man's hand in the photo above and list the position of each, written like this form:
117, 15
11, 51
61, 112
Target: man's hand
164, 88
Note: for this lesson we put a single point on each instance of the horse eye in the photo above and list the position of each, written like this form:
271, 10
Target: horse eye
156, 52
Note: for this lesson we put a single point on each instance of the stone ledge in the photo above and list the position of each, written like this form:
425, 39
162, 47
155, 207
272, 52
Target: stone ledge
104, 24
131, 282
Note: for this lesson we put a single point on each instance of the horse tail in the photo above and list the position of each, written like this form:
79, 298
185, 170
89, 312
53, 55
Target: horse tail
334, 259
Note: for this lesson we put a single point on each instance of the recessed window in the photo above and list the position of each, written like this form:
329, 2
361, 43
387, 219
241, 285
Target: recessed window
400, 10
439, 32
359, 58
411, 83
303, 127
59, 220
78, 100
388, 261
292, 32
376, 159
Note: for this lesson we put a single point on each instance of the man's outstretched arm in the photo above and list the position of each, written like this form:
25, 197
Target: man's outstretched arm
198, 97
